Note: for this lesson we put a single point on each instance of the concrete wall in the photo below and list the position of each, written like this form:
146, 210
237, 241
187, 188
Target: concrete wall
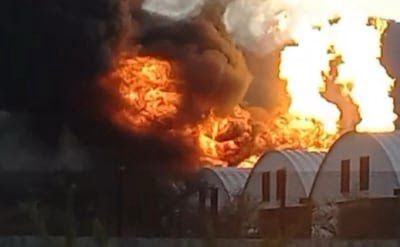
381, 214
137, 242
293, 222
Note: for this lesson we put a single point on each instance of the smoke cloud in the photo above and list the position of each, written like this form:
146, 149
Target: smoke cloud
54, 49
174, 9
23, 151
200, 46
266, 25
52, 54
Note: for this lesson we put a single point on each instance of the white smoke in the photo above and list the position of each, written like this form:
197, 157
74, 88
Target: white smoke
259, 25
265, 25
176, 10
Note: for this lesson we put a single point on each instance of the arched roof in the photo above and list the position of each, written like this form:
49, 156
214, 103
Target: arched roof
390, 143
306, 164
233, 179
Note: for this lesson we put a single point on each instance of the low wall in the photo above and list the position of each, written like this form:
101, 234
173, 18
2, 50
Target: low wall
138, 242
289, 221
381, 214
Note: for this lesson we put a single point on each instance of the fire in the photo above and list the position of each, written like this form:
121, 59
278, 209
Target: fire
150, 95
356, 39
249, 162
305, 83
308, 135
330, 57
239, 139
152, 98
223, 140
362, 74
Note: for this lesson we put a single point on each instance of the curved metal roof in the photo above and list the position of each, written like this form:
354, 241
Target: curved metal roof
390, 143
233, 179
306, 164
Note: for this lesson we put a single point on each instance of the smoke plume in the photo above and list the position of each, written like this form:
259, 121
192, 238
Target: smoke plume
266, 25
198, 46
174, 9
55, 54
23, 151
56, 51
52, 53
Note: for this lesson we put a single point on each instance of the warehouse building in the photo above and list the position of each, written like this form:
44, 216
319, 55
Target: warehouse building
221, 187
361, 173
279, 186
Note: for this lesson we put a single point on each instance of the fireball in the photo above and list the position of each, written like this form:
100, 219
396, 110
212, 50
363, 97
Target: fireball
150, 95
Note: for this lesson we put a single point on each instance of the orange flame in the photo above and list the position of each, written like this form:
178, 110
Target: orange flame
224, 140
152, 99
356, 39
362, 73
151, 96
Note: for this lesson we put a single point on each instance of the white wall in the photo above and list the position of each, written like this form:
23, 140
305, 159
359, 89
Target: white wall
273, 162
382, 178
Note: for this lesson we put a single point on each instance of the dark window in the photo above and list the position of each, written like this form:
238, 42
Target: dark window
364, 173
281, 186
345, 176
266, 184
202, 200
214, 201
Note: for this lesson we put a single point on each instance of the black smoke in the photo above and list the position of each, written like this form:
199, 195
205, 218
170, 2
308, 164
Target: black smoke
53, 53
213, 68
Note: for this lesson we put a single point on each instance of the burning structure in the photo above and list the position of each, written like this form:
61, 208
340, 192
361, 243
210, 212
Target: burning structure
323, 70
132, 78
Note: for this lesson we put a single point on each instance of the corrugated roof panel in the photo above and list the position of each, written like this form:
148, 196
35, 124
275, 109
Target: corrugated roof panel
390, 143
306, 164
233, 179
353, 146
